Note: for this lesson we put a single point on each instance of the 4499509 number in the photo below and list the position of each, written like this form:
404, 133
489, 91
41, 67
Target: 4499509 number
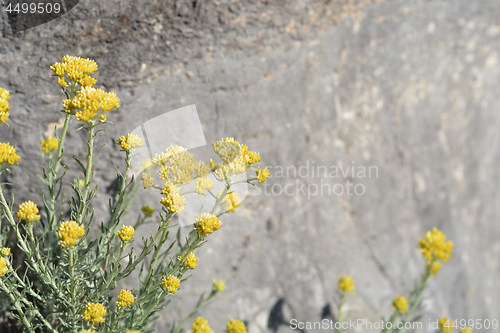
38, 8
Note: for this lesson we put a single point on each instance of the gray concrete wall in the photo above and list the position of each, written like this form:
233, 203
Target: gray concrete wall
408, 87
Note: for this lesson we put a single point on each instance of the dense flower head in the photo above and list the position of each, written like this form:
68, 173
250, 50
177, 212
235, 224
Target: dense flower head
435, 246
95, 312
69, 232
5, 251
125, 298
147, 179
200, 325
203, 184
401, 304
89, 102
171, 283
173, 201
126, 233
466, 330
207, 223
49, 144
130, 142
3, 266
262, 174
28, 211
434, 269
236, 326
235, 158
8, 154
61, 81
148, 210
191, 260
446, 324
75, 68
4, 105
179, 169
346, 284
219, 286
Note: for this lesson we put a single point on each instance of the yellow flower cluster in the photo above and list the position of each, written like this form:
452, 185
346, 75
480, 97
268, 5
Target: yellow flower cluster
69, 232
89, 102
219, 286
147, 179
76, 68
200, 325
148, 210
5, 251
129, 142
191, 260
49, 144
235, 158
262, 174
401, 304
203, 184
207, 223
346, 284
179, 166
171, 283
8, 154
446, 324
3, 266
87, 331
28, 211
433, 247
126, 233
4, 105
95, 312
173, 201
466, 330
236, 326
125, 298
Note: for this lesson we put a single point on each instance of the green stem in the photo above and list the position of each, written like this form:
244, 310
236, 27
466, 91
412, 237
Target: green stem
198, 307
88, 173
116, 320
339, 312
73, 286
17, 305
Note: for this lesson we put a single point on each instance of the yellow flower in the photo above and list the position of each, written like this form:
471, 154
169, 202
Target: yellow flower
69, 232
49, 144
87, 331
434, 246
173, 201
401, 304
95, 312
126, 233
219, 286
89, 102
178, 165
147, 179
5, 251
207, 223
250, 157
148, 210
200, 325
262, 174
102, 118
62, 82
446, 325
171, 283
129, 142
236, 326
74, 67
125, 298
346, 284
3, 266
87, 81
8, 154
203, 184
466, 330
231, 153
27, 211
436, 266
4, 105
191, 260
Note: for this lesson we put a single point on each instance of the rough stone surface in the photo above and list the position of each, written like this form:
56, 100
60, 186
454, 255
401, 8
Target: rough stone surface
409, 88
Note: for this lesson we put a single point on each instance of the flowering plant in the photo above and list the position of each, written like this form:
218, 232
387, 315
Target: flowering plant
70, 276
